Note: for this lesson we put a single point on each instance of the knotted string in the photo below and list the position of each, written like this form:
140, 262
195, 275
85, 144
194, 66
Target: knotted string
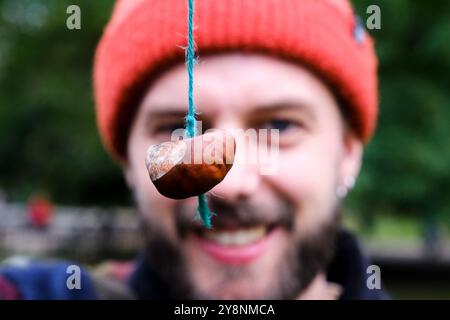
203, 211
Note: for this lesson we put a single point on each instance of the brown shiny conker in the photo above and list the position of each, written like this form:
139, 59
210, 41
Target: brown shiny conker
189, 167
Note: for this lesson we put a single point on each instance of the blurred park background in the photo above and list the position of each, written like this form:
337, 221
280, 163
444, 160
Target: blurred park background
51, 159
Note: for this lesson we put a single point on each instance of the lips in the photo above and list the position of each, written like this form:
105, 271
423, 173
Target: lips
237, 245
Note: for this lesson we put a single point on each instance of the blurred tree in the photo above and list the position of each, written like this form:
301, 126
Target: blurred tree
48, 136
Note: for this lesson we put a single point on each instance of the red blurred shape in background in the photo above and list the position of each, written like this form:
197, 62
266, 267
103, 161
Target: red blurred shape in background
40, 212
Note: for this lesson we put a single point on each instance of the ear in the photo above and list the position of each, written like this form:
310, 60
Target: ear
351, 158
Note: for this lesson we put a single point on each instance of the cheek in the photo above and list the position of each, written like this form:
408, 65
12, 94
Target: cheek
307, 176
154, 207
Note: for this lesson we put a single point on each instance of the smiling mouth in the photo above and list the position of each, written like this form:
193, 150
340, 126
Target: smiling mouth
237, 245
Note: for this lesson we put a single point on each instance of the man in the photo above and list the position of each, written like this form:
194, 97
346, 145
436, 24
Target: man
303, 67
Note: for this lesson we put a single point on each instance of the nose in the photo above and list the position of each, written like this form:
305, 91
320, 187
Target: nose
243, 179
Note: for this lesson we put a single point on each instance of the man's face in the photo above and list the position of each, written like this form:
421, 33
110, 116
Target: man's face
272, 233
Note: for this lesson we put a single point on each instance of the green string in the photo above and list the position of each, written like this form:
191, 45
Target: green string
203, 211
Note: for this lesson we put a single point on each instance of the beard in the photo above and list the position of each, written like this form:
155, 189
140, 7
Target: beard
304, 259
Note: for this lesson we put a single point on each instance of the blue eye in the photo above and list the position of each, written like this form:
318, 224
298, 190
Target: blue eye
281, 125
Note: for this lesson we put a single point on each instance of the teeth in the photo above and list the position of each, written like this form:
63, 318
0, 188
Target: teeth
237, 237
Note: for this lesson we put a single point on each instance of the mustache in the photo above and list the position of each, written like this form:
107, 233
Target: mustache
239, 213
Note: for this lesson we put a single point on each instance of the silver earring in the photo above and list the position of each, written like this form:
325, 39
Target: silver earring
349, 182
342, 190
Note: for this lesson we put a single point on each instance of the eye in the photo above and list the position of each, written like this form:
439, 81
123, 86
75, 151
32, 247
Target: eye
163, 130
168, 128
282, 125
290, 130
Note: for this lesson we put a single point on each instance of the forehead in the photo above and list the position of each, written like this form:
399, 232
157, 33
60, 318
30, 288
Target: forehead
236, 82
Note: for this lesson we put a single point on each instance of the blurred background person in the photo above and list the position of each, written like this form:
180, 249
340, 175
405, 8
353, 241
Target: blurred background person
40, 212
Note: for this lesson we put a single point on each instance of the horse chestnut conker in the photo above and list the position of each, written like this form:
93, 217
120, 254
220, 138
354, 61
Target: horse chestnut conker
190, 167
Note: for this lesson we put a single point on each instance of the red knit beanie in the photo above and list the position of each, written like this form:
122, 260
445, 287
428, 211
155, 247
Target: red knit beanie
144, 37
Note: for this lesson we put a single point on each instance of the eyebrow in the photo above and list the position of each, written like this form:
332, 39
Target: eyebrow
155, 116
161, 113
286, 105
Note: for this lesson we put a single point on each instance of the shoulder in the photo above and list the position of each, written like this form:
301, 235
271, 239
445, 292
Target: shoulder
32, 280
349, 269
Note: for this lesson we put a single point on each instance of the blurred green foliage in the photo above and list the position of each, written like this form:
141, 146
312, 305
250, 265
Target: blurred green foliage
407, 165
49, 143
